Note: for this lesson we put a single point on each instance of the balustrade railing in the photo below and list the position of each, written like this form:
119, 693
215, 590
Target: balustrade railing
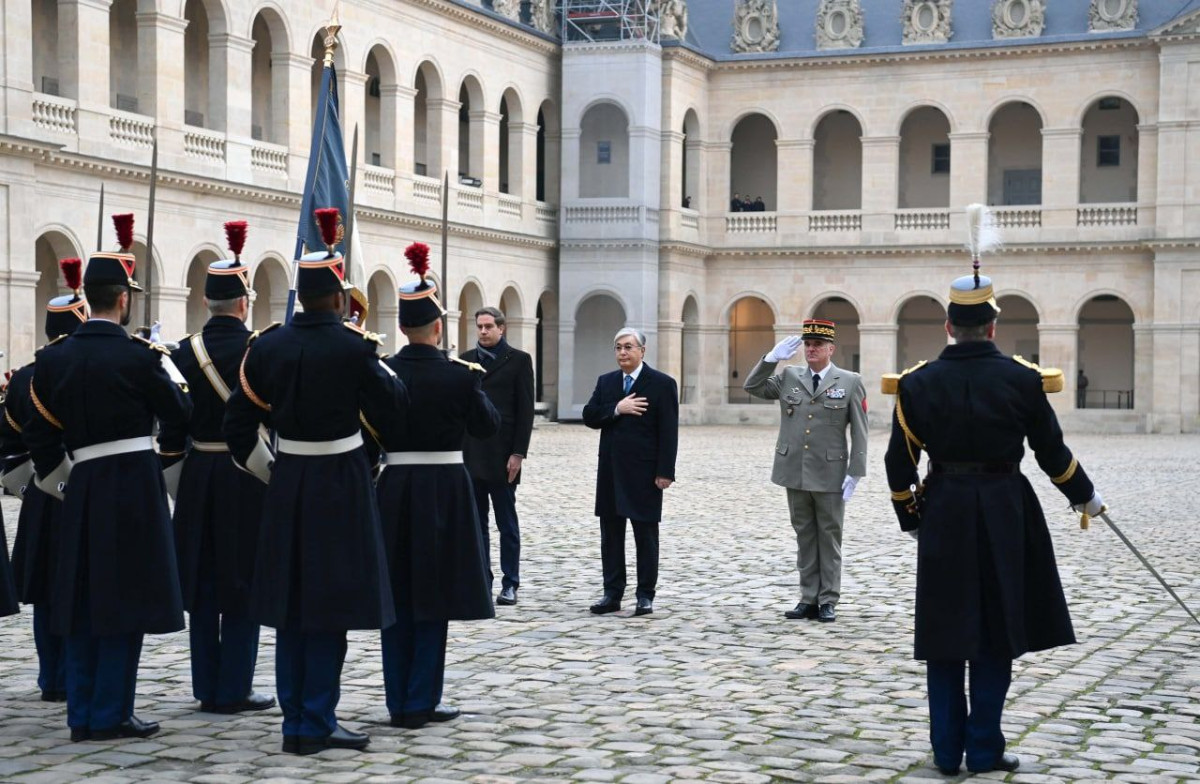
427, 188
834, 221
134, 130
750, 222
471, 198
269, 157
603, 213
1018, 217
510, 205
54, 113
204, 144
1106, 215
922, 220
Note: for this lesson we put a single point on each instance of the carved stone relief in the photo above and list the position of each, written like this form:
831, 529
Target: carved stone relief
672, 17
839, 24
755, 26
1018, 18
510, 9
926, 21
1105, 15
541, 13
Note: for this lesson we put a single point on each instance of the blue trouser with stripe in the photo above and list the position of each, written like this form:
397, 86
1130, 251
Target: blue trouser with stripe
308, 672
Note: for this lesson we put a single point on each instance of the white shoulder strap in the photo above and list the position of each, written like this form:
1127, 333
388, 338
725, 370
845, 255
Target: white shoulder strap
210, 370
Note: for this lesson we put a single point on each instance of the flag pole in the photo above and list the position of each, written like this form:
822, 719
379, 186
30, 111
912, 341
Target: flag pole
100, 223
445, 243
150, 237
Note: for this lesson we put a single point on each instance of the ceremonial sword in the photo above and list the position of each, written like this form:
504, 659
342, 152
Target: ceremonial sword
1103, 515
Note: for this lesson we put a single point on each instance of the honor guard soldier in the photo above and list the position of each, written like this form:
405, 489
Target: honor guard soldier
35, 550
436, 555
95, 396
988, 588
818, 403
320, 568
217, 506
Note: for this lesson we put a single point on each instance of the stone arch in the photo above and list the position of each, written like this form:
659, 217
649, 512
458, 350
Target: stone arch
472, 109
1017, 326
123, 58
754, 164
317, 53
1015, 154
690, 187
776, 125
727, 309
548, 140
512, 142
924, 103
204, 69
833, 109
920, 328
275, 18
752, 319
511, 303
52, 244
380, 106
383, 311
604, 151
47, 56
924, 176
545, 354
846, 316
1105, 352
270, 277
837, 160
195, 274
470, 299
1108, 151
607, 98
997, 106
598, 316
268, 75
689, 356
427, 118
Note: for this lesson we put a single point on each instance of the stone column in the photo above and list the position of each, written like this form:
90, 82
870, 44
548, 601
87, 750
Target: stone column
441, 140
569, 168
1147, 175
403, 140
794, 181
24, 314
1060, 176
716, 186
83, 59
968, 174
389, 323
485, 148
1156, 350
291, 87
671, 192
521, 333
552, 156
18, 70
714, 366
169, 307
880, 182
160, 66
229, 99
353, 104
522, 160
1058, 346
877, 355
670, 349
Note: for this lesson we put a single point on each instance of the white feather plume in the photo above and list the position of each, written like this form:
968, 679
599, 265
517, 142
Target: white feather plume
983, 235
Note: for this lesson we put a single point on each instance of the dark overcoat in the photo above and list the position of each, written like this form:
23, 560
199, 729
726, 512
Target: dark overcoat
434, 543
508, 383
218, 507
35, 548
987, 581
116, 562
320, 564
634, 450
8, 588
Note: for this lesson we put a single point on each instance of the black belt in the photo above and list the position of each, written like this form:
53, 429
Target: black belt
974, 468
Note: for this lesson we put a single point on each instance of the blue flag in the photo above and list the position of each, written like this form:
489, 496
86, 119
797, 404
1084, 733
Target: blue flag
327, 183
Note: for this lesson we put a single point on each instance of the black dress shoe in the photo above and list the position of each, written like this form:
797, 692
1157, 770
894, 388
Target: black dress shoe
803, 610
826, 614
413, 720
252, 702
51, 695
291, 744
644, 607
444, 713
341, 738
133, 727
1007, 763
508, 596
608, 604
80, 734
945, 770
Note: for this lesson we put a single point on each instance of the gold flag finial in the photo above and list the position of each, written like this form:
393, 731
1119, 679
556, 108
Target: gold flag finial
332, 27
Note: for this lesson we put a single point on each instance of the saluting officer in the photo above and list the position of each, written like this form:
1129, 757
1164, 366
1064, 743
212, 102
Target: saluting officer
96, 395
988, 589
818, 404
35, 550
436, 554
320, 568
217, 506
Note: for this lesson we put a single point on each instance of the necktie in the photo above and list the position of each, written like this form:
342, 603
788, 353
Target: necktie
816, 382
628, 384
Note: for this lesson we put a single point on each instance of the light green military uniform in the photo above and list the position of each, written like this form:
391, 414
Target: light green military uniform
811, 461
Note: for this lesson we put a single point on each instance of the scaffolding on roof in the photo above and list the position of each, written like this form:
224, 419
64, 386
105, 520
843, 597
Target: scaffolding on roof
593, 21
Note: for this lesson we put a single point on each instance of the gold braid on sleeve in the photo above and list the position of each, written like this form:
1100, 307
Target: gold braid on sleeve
45, 412
11, 422
372, 431
1066, 475
909, 437
902, 495
255, 399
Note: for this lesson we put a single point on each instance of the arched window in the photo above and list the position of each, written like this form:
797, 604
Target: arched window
751, 334
689, 169
512, 144
197, 273
689, 357
925, 159
1106, 353
271, 290
604, 152
753, 164
547, 153
1108, 163
1015, 155
269, 79
45, 48
470, 129
380, 106
921, 332
48, 250
123, 57
196, 71
597, 320
837, 162
844, 315
1018, 332
510, 306
469, 301
427, 121
545, 357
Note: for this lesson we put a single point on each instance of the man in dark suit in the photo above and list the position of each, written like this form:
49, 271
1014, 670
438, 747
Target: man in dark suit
495, 463
988, 588
636, 410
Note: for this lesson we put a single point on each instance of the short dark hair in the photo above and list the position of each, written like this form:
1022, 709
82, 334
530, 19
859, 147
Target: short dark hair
104, 296
493, 312
319, 303
970, 333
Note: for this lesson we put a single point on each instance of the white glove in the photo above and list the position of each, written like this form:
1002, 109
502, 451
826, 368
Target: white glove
156, 332
913, 533
1092, 507
784, 349
848, 485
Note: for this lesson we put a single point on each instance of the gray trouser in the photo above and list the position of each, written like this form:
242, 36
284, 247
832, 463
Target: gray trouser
817, 519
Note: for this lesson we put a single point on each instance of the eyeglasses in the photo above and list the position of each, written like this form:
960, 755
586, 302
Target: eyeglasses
621, 347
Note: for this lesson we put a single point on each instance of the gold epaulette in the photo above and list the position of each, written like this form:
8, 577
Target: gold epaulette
148, 344
255, 334
472, 365
371, 336
890, 384
58, 339
1052, 378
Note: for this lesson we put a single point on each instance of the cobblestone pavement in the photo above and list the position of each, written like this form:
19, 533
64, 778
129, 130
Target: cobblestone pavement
716, 685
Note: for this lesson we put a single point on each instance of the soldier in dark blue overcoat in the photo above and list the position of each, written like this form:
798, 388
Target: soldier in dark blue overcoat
436, 552
96, 396
35, 549
988, 589
320, 569
217, 506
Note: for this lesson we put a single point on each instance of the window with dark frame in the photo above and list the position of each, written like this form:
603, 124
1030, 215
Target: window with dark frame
603, 152
1108, 150
941, 159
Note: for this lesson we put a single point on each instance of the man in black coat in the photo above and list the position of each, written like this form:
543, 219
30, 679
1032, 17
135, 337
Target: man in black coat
636, 410
217, 506
96, 395
495, 463
988, 589
320, 568
35, 549
435, 545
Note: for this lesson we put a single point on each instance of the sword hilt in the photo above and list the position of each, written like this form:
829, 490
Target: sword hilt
1085, 519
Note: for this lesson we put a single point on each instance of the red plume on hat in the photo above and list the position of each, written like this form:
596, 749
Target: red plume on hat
418, 258
124, 225
329, 221
235, 237
72, 270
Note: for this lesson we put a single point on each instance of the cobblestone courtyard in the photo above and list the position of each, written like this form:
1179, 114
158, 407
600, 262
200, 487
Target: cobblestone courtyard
716, 685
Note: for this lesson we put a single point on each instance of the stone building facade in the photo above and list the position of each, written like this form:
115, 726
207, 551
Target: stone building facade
592, 169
